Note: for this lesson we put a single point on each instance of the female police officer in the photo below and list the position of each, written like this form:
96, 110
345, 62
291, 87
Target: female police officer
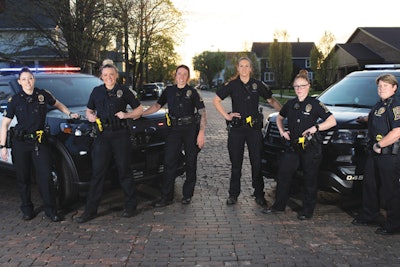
302, 113
183, 101
245, 127
29, 144
107, 106
381, 182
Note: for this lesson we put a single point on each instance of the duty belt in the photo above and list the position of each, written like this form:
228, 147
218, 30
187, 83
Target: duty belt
181, 121
390, 150
249, 121
39, 135
116, 124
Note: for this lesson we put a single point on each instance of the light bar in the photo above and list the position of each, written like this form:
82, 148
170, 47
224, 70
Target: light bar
382, 66
44, 69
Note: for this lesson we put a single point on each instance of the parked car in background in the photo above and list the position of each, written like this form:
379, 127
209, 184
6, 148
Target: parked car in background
150, 90
202, 87
161, 85
71, 139
344, 146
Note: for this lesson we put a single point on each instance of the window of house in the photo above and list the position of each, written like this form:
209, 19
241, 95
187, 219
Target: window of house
308, 63
269, 77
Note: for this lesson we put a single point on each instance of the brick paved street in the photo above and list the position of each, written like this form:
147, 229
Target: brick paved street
204, 233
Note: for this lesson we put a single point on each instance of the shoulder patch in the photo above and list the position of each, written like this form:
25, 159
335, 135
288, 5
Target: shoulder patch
324, 107
396, 113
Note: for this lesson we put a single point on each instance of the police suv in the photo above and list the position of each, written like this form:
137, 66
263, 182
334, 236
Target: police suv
71, 139
344, 146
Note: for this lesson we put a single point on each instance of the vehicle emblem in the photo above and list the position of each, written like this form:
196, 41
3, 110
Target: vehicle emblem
119, 93
308, 108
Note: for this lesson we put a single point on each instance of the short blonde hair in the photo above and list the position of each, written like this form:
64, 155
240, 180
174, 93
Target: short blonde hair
387, 78
107, 61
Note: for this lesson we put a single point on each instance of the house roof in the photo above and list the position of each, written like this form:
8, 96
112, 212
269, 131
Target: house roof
14, 17
387, 35
359, 51
299, 49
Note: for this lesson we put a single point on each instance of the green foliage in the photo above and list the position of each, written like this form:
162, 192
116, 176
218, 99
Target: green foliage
280, 60
209, 64
323, 62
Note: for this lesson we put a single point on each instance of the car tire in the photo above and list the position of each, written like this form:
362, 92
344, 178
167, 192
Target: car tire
64, 177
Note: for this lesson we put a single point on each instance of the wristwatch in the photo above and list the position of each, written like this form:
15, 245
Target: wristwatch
1, 146
378, 145
317, 127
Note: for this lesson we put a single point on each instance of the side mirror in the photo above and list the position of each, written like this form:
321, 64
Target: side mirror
3, 107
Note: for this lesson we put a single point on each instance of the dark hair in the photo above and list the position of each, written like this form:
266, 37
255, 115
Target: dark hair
185, 67
24, 69
303, 74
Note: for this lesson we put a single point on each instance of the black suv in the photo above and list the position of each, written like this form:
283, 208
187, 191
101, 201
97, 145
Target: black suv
150, 90
344, 146
71, 139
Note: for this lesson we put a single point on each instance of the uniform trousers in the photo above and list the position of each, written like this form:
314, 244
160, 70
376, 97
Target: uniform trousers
25, 157
381, 188
237, 138
106, 145
310, 160
178, 136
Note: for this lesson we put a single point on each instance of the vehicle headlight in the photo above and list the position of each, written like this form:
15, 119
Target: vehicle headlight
81, 129
347, 136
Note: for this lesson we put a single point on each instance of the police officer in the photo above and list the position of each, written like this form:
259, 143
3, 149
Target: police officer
381, 182
107, 107
304, 148
245, 123
30, 145
184, 129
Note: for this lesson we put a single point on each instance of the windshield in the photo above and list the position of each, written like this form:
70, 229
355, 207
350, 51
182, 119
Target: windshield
71, 91
354, 91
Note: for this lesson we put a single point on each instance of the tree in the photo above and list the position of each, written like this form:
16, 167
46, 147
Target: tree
323, 62
82, 28
209, 64
280, 60
161, 60
150, 21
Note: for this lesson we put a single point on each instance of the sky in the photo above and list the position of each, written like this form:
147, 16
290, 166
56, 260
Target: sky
233, 25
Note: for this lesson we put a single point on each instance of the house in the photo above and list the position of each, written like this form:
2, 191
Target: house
20, 38
300, 57
368, 45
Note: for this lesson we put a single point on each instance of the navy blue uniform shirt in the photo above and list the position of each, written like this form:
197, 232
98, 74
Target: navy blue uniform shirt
303, 115
245, 97
30, 110
383, 117
181, 102
108, 103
